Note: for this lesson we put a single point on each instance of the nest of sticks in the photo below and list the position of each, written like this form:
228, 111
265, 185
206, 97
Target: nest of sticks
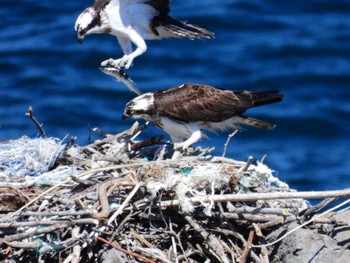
117, 200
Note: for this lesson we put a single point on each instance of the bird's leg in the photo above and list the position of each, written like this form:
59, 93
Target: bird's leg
179, 147
176, 141
125, 44
129, 56
141, 48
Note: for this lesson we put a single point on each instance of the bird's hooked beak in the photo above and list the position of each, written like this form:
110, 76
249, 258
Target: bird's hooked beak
80, 36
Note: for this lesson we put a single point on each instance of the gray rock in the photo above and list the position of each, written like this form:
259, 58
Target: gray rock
342, 233
306, 245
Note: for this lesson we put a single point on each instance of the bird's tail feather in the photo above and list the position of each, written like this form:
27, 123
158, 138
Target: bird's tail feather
183, 29
255, 123
266, 97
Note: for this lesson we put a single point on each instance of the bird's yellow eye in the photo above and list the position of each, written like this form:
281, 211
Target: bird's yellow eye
132, 112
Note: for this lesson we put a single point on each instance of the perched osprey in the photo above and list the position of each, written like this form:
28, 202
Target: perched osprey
134, 21
184, 111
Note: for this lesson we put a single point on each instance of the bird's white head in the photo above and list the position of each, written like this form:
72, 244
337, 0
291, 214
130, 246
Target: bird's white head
89, 22
140, 107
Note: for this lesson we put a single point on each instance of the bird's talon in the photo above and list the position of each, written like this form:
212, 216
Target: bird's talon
109, 63
122, 63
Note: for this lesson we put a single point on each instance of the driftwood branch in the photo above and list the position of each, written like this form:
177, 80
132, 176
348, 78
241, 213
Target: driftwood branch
230, 136
259, 196
253, 197
87, 221
30, 115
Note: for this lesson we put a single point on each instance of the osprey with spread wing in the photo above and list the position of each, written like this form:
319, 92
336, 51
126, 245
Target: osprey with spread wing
134, 21
184, 111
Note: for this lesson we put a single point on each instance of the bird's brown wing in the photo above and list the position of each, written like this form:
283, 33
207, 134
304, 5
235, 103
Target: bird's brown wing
196, 102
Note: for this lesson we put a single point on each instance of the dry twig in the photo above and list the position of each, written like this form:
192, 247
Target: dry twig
125, 251
247, 248
30, 115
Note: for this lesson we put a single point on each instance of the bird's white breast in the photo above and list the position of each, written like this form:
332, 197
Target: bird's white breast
125, 16
177, 130
184, 131
232, 123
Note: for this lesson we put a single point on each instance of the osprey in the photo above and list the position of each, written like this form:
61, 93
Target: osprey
134, 21
184, 111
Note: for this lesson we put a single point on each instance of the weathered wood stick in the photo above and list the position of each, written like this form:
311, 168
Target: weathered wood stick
89, 221
260, 196
124, 204
125, 251
36, 232
58, 213
247, 248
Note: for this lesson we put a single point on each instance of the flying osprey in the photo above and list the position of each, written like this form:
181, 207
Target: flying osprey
134, 21
184, 111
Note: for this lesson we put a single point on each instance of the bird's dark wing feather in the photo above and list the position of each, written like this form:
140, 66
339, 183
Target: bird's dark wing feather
100, 4
162, 6
195, 102
173, 26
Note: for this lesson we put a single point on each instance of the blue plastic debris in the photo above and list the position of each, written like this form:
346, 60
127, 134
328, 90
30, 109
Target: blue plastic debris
29, 157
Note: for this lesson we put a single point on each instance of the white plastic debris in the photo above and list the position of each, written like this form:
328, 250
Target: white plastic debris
51, 178
28, 157
208, 179
200, 181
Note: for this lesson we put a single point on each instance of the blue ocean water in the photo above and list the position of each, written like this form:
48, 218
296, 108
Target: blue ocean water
301, 48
